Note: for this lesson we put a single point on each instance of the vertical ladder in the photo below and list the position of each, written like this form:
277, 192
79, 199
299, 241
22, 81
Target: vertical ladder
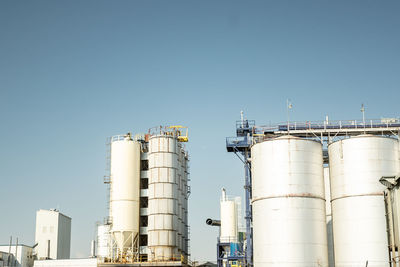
107, 179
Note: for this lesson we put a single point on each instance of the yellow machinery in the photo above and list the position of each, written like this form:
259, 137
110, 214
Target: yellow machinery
180, 131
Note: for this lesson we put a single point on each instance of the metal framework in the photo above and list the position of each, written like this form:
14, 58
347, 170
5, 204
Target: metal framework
247, 134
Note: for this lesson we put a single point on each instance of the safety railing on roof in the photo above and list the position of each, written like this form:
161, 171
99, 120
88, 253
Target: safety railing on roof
326, 125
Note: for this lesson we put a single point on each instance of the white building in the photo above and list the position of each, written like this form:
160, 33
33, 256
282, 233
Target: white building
53, 235
20, 255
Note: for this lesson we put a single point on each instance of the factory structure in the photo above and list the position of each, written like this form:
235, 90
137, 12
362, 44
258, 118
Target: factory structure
52, 235
52, 242
148, 200
317, 194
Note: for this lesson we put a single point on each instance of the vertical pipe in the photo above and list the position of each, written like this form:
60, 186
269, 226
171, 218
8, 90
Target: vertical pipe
248, 217
16, 253
93, 249
48, 249
391, 229
9, 252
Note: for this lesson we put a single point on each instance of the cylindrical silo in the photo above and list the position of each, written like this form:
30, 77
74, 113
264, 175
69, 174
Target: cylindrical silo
229, 229
103, 241
359, 225
288, 203
125, 192
163, 198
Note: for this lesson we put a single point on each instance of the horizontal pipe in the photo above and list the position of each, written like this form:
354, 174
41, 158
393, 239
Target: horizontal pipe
213, 222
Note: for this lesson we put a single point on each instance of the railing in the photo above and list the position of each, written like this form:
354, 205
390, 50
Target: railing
227, 239
238, 141
120, 137
245, 124
326, 125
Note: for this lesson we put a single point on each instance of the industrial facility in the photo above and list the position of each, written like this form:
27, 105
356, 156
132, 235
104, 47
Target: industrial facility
52, 241
318, 193
53, 235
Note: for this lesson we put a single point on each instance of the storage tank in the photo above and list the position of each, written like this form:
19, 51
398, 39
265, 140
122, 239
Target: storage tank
103, 241
359, 225
229, 229
163, 198
288, 203
124, 192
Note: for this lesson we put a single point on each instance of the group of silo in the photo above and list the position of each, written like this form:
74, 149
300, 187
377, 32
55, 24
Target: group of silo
290, 213
167, 205
168, 199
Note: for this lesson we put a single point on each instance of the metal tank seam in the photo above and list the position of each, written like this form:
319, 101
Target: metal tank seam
359, 195
288, 196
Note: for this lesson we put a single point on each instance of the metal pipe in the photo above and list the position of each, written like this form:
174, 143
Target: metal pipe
48, 249
93, 249
391, 228
9, 252
16, 253
212, 222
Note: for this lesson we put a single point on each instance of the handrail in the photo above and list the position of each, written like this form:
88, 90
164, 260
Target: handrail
325, 125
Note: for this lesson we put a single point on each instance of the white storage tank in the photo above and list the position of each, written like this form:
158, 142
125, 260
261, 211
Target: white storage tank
125, 191
103, 241
288, 203
163, 198
359, 225
229, 228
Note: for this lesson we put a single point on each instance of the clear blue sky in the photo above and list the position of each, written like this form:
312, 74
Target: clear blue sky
75, 72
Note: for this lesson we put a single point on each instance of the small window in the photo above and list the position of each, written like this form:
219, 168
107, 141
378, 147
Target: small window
144, 203
144, 183
143, 240
144, 165
143, 221
44, 229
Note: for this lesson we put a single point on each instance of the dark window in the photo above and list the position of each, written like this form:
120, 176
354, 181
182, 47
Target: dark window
143, 240
144, 183
144, 165
144, 203
143, 221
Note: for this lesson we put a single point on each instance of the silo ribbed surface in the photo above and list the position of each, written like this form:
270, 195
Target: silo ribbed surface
289, 224
163, 198
359, 224
125, 191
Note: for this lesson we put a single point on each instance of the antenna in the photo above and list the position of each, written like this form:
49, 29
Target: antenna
288, 107
241, 117
363, 114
